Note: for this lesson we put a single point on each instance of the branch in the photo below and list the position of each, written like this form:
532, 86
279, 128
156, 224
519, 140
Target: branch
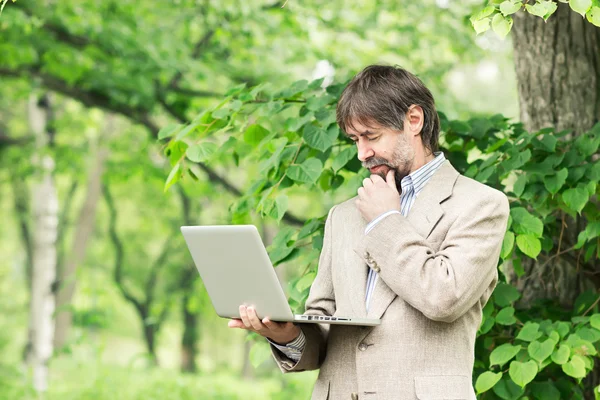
6, 140
196, 93
119, 253
158, 264
89, 98
195, 54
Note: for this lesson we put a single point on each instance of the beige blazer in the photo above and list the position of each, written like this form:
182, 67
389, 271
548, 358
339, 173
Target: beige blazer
437, 269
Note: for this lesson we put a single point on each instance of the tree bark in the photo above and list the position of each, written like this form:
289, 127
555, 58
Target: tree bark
190, 332
189, 275
558, 70
85, 225
45, 211
558, 74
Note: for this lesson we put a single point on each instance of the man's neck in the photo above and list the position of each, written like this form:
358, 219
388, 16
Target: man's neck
421, 159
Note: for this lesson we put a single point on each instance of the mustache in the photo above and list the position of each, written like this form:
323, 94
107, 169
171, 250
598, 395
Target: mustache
375, 162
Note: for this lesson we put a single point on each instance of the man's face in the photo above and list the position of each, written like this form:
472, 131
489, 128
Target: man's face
381, 149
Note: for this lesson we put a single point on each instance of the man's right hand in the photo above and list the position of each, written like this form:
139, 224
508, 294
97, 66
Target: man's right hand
279, 332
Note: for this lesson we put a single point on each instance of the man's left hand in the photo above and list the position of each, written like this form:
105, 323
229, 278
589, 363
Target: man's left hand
377, 196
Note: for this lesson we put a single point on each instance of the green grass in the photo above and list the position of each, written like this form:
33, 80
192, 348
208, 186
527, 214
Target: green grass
72, 380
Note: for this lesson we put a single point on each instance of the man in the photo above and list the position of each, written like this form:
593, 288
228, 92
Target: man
418, 247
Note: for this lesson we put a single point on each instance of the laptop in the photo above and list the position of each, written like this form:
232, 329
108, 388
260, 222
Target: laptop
236, 270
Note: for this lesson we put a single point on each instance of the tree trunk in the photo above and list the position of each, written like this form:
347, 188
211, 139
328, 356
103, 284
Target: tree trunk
189, 275
85, 225
558, 73
45, 211
149, 336
558, 70
190, 334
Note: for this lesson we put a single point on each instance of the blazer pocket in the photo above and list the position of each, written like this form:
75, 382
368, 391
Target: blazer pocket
443, 387
320, 391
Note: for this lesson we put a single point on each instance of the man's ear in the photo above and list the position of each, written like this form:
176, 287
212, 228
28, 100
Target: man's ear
414, 120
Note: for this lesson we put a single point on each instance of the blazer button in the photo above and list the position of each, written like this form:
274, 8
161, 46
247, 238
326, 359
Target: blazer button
367, 255
376, 268
354, 396
362, 347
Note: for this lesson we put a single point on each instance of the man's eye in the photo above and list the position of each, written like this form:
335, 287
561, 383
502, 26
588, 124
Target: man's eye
373, 139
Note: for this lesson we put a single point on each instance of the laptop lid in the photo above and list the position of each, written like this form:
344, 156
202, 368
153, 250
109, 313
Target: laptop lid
236, 270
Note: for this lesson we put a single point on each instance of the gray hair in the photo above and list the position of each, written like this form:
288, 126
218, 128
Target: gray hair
383, 94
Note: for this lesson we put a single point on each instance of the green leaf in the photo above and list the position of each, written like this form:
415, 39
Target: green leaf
319, 138
502, 25
509, 7
529, 332
483, 13
482, 25
525, 223
580, 6
590, 334
503, 354
343, 158
201, 152
507, 245
508, 390
293, 124
519, 186
595, 321
548, 142
553, 183
281, 205
307, 172
593, 15
561, 355
544, 391
255, 134
575, 368
563, 328
505, 294
522, 373
278, 254
318, 102
529, 245
173, 177
259, 353
575, 199
540, 351
506, 316
305, 281
486, 381
543, 9
169, 130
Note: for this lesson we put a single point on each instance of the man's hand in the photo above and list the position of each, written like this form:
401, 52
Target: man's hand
378, 196
279, 332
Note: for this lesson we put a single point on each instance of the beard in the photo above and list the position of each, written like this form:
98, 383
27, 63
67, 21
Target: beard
401, 161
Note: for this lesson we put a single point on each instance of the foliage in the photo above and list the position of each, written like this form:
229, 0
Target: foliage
292, 136
498, 14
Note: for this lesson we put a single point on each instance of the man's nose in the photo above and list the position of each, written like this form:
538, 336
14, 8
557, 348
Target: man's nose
364, 151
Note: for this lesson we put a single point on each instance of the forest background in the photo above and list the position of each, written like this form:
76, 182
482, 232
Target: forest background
120, 121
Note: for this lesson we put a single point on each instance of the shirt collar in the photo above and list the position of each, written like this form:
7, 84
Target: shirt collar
421, 176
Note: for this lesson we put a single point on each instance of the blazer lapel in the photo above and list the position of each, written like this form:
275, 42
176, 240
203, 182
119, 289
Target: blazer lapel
357, 272
426, 210
423, 216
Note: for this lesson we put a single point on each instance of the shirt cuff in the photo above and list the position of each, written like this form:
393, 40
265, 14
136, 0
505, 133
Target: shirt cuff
372, 224
293, 350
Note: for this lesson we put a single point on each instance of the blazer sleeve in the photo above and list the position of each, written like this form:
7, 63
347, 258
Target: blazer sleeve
443, 285
320, 301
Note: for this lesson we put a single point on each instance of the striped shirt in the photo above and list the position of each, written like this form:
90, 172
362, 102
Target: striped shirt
411, 186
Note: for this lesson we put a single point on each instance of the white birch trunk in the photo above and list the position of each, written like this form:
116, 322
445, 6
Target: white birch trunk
45, 225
